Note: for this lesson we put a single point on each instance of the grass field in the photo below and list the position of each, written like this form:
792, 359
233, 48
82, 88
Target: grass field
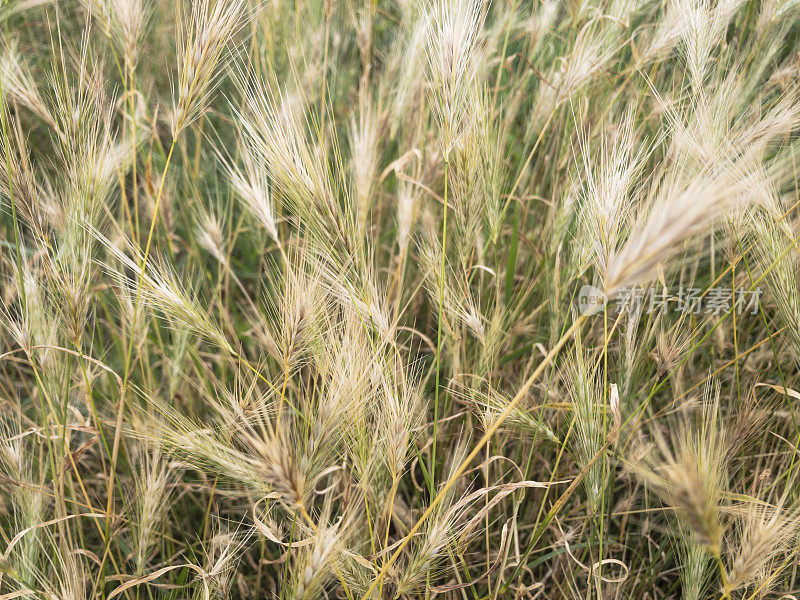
399, 299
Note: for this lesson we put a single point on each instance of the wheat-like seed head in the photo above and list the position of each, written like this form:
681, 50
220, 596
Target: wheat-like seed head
688, 471
252, 187
205, 35
18, 84
450, 46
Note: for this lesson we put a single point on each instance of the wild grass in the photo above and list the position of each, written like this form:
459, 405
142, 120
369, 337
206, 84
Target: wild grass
293, 299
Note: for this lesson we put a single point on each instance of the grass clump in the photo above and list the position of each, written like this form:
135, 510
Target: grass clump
399, 300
